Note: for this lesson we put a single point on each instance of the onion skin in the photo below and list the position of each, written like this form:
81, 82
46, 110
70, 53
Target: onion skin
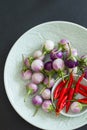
37, 100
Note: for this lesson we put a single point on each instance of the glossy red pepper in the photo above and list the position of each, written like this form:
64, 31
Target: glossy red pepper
63, 92
62, 105
70, 97
71, 79
57, 89
82, 92
78, 82
81, 86
84, 100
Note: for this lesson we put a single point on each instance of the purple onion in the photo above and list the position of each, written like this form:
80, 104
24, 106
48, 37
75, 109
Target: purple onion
46, 94
48, 66
26, 62
26, 75
37, 77
37, 100
58, 64
32, 87
76, 107
37, 65
71, 63
52, 81
47, 106
55, 54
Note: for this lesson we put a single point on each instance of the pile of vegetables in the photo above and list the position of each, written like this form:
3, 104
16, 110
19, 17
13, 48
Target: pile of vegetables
48, 64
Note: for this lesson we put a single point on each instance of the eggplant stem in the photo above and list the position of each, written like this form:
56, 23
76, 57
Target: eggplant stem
37, 108
43, 89
49, 80
26, 96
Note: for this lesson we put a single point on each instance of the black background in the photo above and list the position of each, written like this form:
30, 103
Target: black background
18, 16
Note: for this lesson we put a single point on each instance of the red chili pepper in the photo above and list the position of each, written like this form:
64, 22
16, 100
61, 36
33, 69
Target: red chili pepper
81, 86
84, 100
57, 89
62, 105
70, 97
78, 82
71, 79
62, 94
82, 92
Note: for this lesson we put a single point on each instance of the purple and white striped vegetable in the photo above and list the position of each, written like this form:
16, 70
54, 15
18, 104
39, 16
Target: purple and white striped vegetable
37, 100
26, 75
73, 52
56, 54
71, 61
47, 106
31, 89
37, 54
37, 65
58, 64
37, 77
64, 41
48, 66
51, 82
49, 45
63, 44
46, 94
26, 62
76, 107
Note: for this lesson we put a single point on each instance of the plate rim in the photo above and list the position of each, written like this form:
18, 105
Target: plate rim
49, 22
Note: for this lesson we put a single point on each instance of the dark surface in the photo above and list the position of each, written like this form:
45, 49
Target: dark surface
18, 16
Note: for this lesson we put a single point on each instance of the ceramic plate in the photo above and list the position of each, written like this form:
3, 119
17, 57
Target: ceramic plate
15, 87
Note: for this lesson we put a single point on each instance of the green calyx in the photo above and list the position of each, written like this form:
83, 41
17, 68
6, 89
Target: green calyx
51, 108
31, 59
29, 92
